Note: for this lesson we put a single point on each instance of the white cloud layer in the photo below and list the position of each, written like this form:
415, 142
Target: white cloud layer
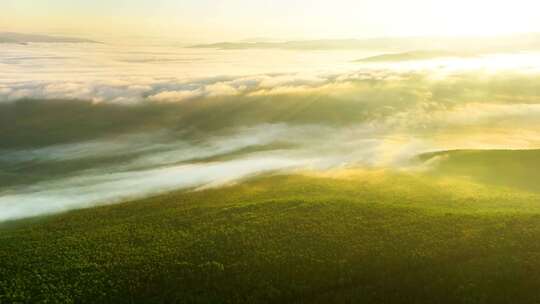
104, 73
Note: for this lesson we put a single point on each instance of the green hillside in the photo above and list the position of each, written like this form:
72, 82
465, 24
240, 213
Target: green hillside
348, 237
512, 168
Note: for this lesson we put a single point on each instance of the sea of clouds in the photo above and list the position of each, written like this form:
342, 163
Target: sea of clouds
85, 125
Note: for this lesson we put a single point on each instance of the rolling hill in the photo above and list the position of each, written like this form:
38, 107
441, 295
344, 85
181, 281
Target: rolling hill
338, 237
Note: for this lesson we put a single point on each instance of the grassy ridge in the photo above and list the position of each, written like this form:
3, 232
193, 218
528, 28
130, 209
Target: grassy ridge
370, 237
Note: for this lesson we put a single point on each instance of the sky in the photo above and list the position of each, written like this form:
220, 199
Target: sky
219, 20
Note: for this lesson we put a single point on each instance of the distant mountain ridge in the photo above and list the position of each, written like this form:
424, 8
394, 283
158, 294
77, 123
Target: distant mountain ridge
415, 55
10, 37
502, 43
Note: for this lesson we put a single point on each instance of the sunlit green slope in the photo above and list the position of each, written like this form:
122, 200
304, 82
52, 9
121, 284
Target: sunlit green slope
512, 168
344, 237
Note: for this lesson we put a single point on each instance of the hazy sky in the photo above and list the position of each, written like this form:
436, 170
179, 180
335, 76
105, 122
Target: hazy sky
209, 20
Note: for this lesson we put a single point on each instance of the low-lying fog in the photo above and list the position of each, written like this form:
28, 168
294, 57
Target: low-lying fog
83, 125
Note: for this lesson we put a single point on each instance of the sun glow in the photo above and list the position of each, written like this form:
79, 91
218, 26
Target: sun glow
463, 17
220, 20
